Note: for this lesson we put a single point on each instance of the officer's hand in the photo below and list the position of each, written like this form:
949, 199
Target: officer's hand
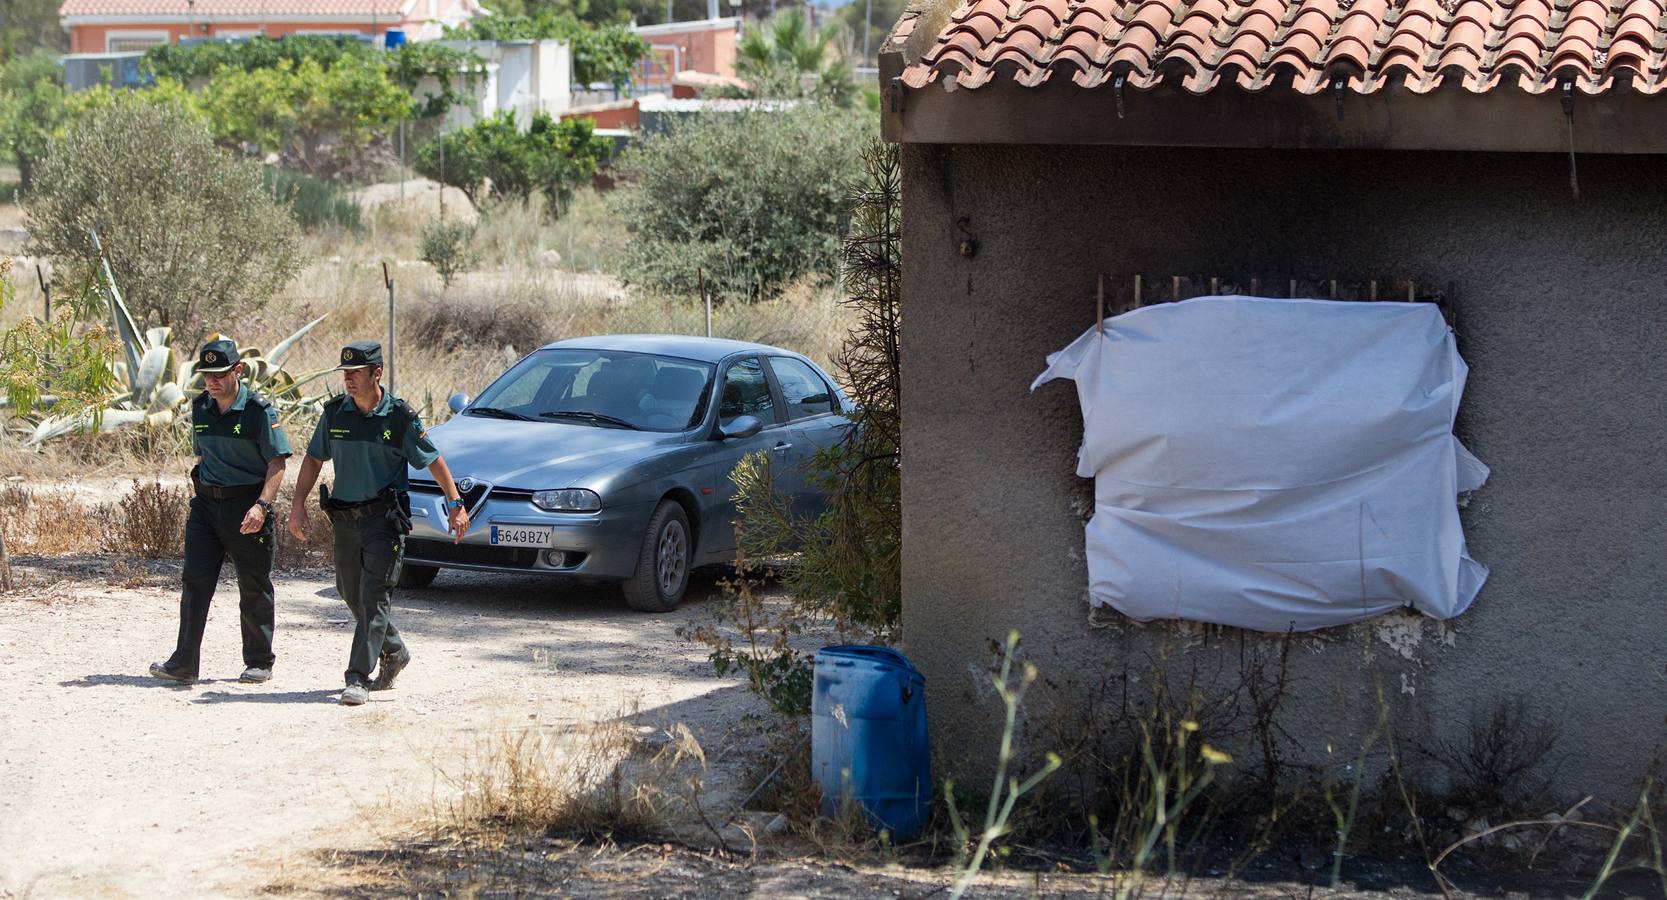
458, 520
253, 519
298, 521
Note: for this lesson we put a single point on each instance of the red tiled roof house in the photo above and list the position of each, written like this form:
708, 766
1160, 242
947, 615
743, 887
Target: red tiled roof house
1503, 156
101, 26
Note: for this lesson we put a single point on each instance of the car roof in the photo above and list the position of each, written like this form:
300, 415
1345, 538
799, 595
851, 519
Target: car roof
703, 349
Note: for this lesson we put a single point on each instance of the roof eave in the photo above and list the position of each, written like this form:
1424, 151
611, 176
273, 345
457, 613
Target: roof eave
1060, 112
358, 18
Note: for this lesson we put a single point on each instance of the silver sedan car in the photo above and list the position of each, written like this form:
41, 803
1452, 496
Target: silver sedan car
609, 458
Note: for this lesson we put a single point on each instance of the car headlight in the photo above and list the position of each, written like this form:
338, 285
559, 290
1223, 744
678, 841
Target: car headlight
570, 500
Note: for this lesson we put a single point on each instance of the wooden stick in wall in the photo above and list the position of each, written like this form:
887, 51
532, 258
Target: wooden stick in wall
1100, 306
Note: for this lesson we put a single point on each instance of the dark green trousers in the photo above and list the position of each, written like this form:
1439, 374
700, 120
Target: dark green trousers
368, 552
211, 534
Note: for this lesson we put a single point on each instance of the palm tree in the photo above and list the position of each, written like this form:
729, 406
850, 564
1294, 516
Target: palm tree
786, 57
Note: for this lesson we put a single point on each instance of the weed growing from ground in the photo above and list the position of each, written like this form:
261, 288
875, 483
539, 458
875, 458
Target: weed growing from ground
151, 521
1007, 789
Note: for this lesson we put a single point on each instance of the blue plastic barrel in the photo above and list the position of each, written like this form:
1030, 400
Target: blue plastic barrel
868, 737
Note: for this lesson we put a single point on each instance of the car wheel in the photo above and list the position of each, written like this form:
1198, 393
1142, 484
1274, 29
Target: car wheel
411, 576
662, 573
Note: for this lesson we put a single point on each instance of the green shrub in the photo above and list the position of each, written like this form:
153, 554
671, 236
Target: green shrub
32, 110
448, 248
318, 119
754, 199
186, 227
316, 203
405, 66
552, 157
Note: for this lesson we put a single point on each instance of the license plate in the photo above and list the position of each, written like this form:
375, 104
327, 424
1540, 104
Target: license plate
517, 536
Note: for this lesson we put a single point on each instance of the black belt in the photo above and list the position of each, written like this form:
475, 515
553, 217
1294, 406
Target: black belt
349, 511
228, 492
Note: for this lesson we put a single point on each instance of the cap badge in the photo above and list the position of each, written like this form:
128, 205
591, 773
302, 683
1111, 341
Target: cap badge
347, 356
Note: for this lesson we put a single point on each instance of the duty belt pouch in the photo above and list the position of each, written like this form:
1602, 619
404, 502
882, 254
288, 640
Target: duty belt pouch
325, 504
399, 510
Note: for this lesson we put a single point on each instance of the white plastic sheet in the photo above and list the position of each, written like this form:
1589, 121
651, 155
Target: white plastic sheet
1274, 464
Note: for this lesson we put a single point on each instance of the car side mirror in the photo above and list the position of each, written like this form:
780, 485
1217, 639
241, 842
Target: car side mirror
741, 427
457, 402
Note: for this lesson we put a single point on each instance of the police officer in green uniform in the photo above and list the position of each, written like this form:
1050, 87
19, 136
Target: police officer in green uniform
372, 436
243, 452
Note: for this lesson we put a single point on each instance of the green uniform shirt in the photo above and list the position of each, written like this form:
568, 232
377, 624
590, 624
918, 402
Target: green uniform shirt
371, 452
236, 445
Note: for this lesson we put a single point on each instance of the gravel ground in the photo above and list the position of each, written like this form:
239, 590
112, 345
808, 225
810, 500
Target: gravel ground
116, 784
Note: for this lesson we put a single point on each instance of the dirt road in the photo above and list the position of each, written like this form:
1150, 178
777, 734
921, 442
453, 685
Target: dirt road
115, 784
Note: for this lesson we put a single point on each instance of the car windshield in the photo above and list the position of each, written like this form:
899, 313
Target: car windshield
601, 388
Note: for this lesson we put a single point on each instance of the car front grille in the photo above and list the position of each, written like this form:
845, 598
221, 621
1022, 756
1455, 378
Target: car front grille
471, 554
474, 497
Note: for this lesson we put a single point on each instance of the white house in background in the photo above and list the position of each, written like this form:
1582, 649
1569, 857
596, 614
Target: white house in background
109, 26
525, 76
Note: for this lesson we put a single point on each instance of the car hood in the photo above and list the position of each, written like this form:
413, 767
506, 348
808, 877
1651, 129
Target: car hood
539, 455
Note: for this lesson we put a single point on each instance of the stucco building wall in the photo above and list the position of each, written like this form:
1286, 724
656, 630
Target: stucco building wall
1561, 312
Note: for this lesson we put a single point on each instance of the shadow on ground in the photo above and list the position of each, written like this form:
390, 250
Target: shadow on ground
322, 695
137, 681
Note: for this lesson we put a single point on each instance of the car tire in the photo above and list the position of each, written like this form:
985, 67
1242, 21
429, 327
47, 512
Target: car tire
662, 573
413, 576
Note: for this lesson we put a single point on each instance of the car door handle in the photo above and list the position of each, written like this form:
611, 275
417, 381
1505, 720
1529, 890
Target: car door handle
781, 448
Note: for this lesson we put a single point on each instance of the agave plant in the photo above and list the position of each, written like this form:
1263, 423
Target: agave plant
145, 393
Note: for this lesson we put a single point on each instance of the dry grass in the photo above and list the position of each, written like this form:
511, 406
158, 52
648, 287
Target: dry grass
151, 521
602, 780
316, 550
51, 522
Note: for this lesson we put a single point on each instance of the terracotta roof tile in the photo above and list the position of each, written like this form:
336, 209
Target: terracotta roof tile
1418, 45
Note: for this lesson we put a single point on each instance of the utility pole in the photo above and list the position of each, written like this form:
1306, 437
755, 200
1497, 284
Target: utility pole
867, 26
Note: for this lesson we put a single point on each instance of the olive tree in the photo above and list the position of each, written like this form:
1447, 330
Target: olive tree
752, 200
185, 226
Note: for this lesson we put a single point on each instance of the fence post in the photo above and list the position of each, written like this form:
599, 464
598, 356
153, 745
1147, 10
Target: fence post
705, 300
386, 280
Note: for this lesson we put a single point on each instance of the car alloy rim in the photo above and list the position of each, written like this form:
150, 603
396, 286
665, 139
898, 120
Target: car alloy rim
671, 557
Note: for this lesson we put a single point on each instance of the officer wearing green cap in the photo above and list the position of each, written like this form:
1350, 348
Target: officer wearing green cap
372, 436
242, 451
